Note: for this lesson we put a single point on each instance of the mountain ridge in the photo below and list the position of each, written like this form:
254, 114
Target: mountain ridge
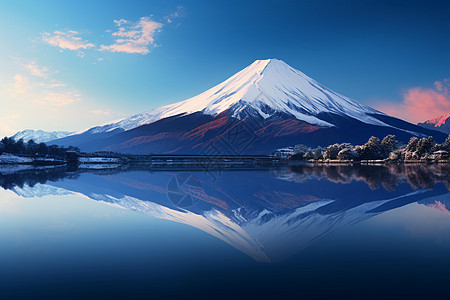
39, 136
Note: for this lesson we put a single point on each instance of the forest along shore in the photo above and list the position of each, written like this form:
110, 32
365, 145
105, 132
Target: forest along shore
388, 150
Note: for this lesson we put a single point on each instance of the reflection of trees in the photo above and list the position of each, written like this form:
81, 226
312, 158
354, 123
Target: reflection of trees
387, 176
375, 176
33, 176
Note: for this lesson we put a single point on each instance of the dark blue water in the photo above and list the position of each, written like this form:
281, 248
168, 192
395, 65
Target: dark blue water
308, 232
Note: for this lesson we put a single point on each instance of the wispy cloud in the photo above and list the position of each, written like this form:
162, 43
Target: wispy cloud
178, 13
136, 37
19, 85
420, 104
120, 22
69, 39
35, 100
35, 70
101, 112
129, 36
9, 124
52, 84
57, 98
36, 86
443, 86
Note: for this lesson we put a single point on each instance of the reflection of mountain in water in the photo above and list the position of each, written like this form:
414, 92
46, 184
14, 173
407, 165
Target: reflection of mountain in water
441, 203
268, 215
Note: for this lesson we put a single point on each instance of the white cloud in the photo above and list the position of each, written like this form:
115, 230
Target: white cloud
35, 70
175, 15
101, 112
134, 37
130, 37
52, 84
69, 39
37, 87
45, 102
9, 124
57, 98
20, 85
120, 22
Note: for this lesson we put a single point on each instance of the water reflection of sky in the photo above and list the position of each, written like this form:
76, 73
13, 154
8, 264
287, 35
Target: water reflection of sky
119, 234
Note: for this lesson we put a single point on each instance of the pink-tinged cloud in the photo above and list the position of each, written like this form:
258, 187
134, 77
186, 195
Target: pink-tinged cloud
135, 38
420, 104
66, 40
20, 85
101, 112
36, 70
57, 98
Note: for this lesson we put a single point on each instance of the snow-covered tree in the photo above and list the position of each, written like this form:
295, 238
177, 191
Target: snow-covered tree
332, 151
373, 149
445, 145
317, 153
301, 149
389, 144
347, 154
419, 148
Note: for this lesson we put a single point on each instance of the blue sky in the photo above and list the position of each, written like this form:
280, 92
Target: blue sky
68, 65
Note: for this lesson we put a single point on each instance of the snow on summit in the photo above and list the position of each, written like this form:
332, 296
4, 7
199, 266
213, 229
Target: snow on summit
39, 136
265, 87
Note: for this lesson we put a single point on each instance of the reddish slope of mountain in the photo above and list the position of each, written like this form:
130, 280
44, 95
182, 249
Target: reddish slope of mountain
441, 123
198, 133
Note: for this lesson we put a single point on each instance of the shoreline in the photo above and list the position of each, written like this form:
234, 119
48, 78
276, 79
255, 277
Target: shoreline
207, 162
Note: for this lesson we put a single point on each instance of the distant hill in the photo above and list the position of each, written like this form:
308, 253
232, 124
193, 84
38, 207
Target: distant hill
39, 136
441, 123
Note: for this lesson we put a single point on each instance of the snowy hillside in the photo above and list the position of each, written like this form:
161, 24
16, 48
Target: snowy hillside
40, 136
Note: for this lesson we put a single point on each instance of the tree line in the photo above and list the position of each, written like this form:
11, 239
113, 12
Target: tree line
30, 148
375, 149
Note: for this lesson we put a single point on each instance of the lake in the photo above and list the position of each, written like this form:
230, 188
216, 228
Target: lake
306, 231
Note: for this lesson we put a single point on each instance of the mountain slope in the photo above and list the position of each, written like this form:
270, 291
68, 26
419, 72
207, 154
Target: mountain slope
270, 103
441, 123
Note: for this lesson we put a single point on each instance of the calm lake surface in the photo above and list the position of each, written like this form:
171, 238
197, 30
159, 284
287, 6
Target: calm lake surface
312, 232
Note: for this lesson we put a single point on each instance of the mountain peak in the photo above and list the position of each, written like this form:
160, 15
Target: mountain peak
39, 136
441, 123
264, 66
264, 88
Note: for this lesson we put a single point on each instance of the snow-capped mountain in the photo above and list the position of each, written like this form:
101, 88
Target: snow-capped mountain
441, 123
264, 88
40, 136
276, 104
